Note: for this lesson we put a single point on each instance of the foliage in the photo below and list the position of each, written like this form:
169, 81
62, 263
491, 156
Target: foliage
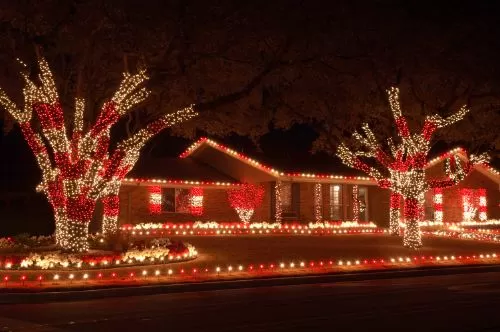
246, 196
25, 242
305, 64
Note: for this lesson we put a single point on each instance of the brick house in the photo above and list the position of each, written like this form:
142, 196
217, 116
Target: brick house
194, 187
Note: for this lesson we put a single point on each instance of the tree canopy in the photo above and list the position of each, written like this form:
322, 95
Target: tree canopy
249, 66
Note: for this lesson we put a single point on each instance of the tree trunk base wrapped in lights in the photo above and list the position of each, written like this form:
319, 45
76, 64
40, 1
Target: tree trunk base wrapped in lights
412, 236
76, 237
110, 215
394, 213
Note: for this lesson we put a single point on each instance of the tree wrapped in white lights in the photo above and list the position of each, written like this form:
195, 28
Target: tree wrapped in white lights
78, 167
405, 166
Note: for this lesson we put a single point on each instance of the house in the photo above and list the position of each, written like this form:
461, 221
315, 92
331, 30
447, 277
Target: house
194, 187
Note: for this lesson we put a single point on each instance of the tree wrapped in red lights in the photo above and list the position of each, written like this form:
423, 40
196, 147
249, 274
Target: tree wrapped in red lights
404, 167
78, 168
245, 200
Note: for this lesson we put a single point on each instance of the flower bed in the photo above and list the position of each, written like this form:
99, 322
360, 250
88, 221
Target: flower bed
25, 242
213, 225
156, 254
466, 235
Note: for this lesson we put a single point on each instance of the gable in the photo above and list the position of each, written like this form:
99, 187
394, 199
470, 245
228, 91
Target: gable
245, 169
435, 167
230, 162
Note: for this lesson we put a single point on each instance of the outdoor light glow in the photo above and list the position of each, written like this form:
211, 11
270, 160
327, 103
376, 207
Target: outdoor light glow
438, 205
245, 200
318, 203
405, 165
355, 203
483, 206
154, 200
394, 213
196, 201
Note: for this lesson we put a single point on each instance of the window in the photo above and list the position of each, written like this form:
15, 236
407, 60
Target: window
175, 200
363, 203
336, 210
286, 197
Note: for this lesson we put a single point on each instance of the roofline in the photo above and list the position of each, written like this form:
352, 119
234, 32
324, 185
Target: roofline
487, 170
179, 183
279, 175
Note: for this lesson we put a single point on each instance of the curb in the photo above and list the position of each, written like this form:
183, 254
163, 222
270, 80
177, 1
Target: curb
80, 295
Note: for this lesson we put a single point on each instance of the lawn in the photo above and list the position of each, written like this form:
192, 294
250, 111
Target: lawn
224, 250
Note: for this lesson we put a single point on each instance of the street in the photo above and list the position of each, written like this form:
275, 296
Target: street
467, 302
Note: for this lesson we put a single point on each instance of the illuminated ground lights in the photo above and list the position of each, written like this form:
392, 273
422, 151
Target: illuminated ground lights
254, 228
404, 167
155, 274
133, 257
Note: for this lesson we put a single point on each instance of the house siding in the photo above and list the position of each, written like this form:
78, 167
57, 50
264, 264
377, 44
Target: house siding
134, 202
134, 207
378, 205
452, 200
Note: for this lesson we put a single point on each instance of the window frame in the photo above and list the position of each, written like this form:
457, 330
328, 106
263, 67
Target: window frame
332, 204
175, 201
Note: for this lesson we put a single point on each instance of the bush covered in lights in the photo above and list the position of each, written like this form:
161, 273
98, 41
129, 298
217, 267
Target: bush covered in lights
153, 251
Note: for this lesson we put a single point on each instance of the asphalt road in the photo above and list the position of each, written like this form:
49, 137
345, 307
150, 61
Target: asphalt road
467, 302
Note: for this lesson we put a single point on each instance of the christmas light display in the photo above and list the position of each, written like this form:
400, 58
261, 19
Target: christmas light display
468, 204
404, 167
79, 169
438, 205
318, 200
394, 213
245, 200
228, 270
196, 201
272, 171
278, 203
179, 182
483, 207
355, 203
154, 199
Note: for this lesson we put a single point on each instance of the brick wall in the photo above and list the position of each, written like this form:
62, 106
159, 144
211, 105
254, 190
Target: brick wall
452, 200
378, 205
134, 207
307, 202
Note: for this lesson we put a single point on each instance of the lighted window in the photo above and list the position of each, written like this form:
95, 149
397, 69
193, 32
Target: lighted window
175, 200
336, 202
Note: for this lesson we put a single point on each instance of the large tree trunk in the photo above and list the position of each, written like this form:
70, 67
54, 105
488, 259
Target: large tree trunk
394, 213
72, 235
72, 217
412, 235
110, 215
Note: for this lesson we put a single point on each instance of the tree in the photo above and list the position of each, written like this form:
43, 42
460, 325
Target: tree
77, 165
404, 166
245, 200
